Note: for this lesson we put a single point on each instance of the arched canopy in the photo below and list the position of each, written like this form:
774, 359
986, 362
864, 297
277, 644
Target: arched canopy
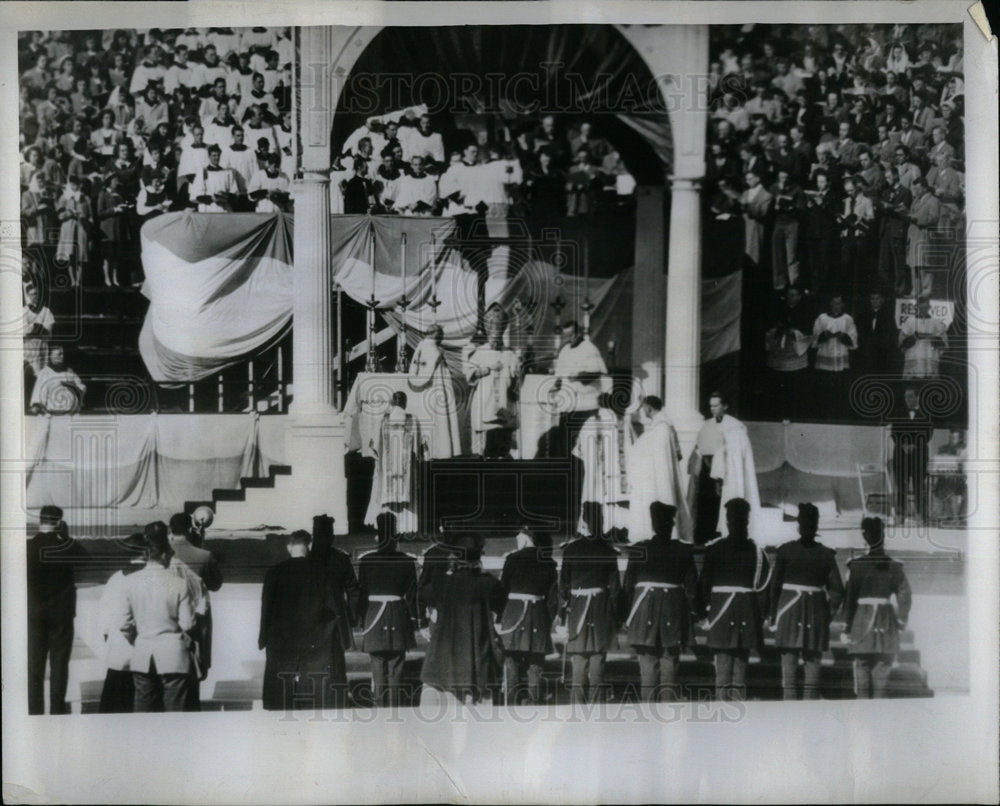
580, 71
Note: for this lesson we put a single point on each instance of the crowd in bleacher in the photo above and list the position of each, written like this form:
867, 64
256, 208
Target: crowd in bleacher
837, 153
119, 126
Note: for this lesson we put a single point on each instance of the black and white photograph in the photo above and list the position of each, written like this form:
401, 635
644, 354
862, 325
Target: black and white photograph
475, 395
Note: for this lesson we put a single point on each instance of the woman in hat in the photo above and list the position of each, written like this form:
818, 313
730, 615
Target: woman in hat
76, 215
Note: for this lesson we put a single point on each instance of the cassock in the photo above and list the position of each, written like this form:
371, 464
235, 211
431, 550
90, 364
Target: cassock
722, 454
464, 656
654, 475
394, 483
581, 359
604, 444
299, 612
493, 395
429, 373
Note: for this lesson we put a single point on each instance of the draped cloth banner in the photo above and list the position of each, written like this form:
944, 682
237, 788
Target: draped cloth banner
220, 289
145, 462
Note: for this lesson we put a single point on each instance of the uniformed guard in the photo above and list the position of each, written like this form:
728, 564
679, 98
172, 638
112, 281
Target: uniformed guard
529, 580
388, 580
659, 579
589, 591
805, 593
735, 573
873, 622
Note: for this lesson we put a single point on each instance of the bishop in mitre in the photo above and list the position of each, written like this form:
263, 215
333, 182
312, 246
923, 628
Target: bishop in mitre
398, 448
604, 445
655, 474
429, 374
493, 371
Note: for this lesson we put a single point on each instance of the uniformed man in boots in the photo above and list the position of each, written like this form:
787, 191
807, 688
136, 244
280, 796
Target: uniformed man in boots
876, 607
805, 593
660, 577
589, 591
388, 579
529, 580
735, 574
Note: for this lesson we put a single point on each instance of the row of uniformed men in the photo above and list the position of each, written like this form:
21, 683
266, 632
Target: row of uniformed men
739, 593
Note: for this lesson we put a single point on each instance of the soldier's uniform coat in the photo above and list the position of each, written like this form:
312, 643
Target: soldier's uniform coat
735, 617
526, 624
659, 617
872, 622
590, 564
805, 592
387, 625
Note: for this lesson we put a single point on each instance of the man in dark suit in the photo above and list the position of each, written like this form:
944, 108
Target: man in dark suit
878, 337
203, 563
346, 592
51, 610
435, 563
529, 579
388, 581
911, 436
298, 619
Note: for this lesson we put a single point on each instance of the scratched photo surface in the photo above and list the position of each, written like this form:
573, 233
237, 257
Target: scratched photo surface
390, 384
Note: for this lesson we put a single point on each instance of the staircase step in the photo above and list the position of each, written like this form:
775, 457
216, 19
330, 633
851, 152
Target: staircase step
256, 482
220, 494
279, 470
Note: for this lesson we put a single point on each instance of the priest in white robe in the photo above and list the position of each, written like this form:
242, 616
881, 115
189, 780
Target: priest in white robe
605, 446
655, 475
721, 468
398, 448
493, 370
429, 374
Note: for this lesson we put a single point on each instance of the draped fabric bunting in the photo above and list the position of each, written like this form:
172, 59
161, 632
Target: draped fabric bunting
220, 289
145, 462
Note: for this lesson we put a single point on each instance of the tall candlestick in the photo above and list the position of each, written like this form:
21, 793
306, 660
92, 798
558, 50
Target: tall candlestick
434, 266
371, 364
401, 362
587, 305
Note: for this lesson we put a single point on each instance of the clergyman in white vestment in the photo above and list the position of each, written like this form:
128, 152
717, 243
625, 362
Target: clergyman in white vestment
397, 450
429, 373
655, 475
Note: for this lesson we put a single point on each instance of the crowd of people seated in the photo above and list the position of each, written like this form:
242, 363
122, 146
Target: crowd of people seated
119, 126
399, 163
837, 154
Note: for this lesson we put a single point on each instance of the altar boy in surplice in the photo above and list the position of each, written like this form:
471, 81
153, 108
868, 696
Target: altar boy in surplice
398, 449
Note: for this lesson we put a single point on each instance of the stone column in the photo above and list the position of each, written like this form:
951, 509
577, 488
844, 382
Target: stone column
312, 335
683, 332
314, 440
